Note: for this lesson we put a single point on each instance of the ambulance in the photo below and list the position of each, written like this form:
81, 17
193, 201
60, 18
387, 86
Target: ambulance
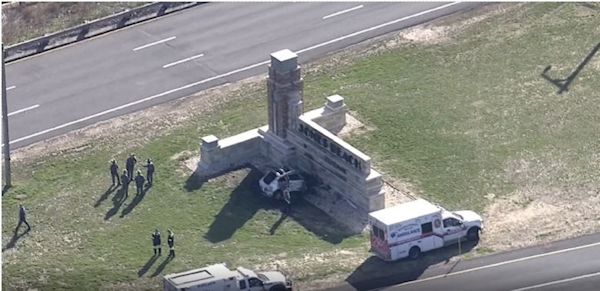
408, 229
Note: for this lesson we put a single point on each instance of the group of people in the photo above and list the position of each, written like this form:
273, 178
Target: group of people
156, 243
127, 176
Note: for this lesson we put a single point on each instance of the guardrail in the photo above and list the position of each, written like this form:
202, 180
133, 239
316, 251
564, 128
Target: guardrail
93, 28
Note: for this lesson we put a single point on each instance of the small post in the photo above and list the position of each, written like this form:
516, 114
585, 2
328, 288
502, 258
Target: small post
5, 141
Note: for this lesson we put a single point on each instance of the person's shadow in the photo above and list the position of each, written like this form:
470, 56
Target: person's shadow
107, 193
13, 241
162, 266
136, 200
118, 200
279, 221
147, 266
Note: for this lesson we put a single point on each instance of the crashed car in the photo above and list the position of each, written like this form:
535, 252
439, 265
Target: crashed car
277, 183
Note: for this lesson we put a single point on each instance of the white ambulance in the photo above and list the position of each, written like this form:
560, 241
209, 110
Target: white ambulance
219, 278
407, 229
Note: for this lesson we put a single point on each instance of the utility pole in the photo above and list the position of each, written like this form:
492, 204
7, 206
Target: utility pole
5, 142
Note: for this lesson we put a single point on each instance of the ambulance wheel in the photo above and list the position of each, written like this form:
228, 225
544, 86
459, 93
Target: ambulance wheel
414, 253
473, 234
277, 288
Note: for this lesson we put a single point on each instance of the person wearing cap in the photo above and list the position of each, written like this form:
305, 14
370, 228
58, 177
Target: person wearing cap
130, 165
22, 218
149, 171
125, 183
171, 243
114, 172
156, 241
139, 183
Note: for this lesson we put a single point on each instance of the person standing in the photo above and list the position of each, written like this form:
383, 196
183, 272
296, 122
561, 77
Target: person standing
130, 165
125, 183
114, 172
149, 171
139, 183
156, 242
171, 243
22, 218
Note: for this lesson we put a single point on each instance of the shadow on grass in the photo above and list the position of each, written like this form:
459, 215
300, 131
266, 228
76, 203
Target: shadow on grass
375, 273
246, 200
117, 200
162, 266
107, 193
13, 241
563, 84
147, 266
194, 182
136, 200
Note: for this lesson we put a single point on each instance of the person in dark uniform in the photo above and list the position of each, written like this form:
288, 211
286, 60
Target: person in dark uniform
156, 241
130, 165
22, 218
139, 183
149, 171
125, 183
114, 172
171, 243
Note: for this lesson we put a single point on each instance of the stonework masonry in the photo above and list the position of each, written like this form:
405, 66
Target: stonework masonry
304, 141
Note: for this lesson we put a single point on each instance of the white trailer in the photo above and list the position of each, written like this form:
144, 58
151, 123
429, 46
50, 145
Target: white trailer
220, 278
408, 229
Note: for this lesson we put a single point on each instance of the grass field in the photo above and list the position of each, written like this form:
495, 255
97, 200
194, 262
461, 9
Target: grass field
26, 21
451, 117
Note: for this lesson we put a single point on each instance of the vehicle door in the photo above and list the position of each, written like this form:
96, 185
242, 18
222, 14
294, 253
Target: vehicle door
453, 229
255, 284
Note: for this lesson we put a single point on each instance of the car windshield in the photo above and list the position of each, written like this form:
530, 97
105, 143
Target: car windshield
269, 177
458, 215
262, 277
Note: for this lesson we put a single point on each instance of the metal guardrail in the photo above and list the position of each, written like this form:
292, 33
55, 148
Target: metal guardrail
93, 28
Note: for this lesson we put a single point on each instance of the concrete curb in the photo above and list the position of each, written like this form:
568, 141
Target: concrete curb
94, 28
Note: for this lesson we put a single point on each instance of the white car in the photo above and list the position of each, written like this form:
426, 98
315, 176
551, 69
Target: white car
274, 182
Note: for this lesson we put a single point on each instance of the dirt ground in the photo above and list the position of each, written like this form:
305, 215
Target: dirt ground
541, 211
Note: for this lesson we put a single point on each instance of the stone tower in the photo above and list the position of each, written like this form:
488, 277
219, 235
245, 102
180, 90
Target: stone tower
285, 92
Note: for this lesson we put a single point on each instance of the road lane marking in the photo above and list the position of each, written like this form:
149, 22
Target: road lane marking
11, 87
154, 43
221, 76
557, 282
24, 109
376, 27
343, 11
138, 101
498, 264
182, 61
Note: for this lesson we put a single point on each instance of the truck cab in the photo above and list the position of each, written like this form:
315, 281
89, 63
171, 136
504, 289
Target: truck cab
262, 281
274, 182
460, 224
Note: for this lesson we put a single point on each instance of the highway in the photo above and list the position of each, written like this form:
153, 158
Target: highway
179, 54
563, 265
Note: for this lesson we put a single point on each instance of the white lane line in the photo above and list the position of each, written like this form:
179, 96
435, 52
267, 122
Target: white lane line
499, 264
154, 43
377, 27
138, 102
343, 11
24, 109
220, 76
182, 61
557, 282
11, 87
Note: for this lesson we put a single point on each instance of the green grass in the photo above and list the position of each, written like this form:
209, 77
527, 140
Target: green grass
450, 118
30, 20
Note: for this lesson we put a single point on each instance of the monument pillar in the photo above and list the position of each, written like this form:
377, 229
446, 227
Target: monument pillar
285, 92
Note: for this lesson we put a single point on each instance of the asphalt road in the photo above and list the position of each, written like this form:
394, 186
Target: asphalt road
183, 53
563, 265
